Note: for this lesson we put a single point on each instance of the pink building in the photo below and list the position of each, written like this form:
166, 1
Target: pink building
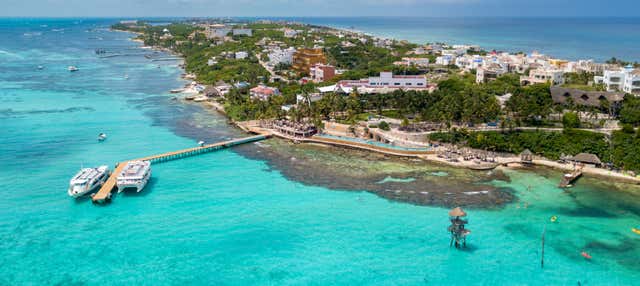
263, 92
322, 72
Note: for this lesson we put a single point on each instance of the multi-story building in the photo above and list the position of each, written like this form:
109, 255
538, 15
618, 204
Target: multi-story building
241, 55
290, 33
625, 79
386, 82
280, 56
303, 59
420, 62
322, 72
263, 92
242, 32
445, 60
469, 62
490, 72
553, 76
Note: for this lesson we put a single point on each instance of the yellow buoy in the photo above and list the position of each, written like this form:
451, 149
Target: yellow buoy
553, 218
637, 231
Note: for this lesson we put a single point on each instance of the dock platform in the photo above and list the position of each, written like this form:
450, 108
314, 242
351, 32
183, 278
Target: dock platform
568, 179
104, 194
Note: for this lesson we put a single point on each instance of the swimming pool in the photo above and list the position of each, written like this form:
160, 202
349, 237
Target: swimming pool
372, 142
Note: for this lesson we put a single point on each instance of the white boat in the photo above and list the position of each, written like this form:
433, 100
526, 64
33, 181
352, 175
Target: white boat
40, 67
73, 68
102, 137
135, 175
87, 180
126, 76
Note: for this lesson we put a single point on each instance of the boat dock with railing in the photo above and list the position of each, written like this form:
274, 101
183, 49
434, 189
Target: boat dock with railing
105, 192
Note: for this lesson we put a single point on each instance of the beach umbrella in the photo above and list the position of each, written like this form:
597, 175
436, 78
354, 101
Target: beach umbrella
457, 212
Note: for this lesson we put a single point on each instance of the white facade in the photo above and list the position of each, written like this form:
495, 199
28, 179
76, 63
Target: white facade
469, 62
625, 79
421, 62
388, 79
553, 76
445, 60
290, 33
241, 55
279, 56
242, 32
491, 72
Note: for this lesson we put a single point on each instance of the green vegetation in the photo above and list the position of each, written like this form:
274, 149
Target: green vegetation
570, 120
548, 144
630, 112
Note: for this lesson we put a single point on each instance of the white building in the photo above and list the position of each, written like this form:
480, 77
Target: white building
241, 55
469, 62
385, 83
280, 56
216, 32
420, 62
445, 60
290, 33
490, 72
625, 79
553, 76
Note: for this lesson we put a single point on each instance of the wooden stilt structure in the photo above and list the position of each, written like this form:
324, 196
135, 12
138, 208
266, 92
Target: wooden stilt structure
457, 228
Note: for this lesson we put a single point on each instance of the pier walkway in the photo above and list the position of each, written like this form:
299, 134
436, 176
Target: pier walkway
104, 194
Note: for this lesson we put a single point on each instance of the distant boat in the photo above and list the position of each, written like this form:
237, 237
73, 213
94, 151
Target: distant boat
87, 180
73, 68
126, 76
201, 143
40, 67
102, 137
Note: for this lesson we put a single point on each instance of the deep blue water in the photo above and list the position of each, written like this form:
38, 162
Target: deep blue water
224, 219
570, 38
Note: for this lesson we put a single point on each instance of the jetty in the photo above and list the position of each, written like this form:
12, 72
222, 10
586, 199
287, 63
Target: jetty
104, 194
569, 178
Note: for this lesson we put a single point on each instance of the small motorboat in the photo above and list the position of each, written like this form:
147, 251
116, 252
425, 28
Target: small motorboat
201, 143
126, 76
40, 67
73, 68
102, 137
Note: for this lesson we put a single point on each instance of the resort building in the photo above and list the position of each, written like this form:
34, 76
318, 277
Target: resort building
241, 55
303, 59
553, 76
469, 62
281, 56
561, 95
322, 72
489, 73
385, 83
625, 79
216, 32
445, 60
290, 33
419, 62
263, 92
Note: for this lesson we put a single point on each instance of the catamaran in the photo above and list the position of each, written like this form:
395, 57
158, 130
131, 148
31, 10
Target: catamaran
135, 175
87, 180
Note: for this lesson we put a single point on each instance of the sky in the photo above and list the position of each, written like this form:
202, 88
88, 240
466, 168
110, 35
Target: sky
325, 8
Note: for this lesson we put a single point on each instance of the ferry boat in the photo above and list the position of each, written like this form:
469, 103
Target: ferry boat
87, 180
73, 68
135, 175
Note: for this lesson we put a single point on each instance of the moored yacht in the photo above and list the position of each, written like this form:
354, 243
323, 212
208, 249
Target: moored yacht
135, 175
87, 180
73, 68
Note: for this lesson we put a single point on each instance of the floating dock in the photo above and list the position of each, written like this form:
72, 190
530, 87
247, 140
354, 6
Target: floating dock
105, 192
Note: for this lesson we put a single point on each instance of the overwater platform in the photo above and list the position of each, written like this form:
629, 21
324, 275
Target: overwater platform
104, 194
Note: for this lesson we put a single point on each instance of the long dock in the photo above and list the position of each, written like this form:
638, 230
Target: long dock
104, 194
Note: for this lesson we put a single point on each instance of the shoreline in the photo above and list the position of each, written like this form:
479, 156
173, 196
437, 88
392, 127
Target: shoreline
512, 161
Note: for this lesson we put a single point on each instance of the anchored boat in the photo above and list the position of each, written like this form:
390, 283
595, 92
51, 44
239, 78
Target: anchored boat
87, 180
135, 175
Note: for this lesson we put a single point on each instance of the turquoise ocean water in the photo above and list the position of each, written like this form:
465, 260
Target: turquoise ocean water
597, 38
223, 219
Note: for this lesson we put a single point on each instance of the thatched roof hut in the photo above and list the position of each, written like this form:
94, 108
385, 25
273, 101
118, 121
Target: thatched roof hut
586, 158
526, 156
457, 212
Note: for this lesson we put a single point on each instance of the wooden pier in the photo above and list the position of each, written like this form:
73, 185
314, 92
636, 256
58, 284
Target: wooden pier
568, 179
105, 192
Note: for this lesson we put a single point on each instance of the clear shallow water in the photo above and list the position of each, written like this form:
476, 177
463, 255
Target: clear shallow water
224, 219
571, 38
